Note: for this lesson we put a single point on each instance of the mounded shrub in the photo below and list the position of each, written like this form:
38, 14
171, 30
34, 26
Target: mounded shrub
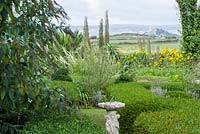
140, 100
137, 100
168, 122
177, 94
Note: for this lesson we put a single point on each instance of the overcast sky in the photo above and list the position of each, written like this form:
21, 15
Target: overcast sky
150, 12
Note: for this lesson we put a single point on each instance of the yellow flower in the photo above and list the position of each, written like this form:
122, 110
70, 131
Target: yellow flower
133, 47
177, 76
120, 51
143, 48
171, 58
156, 64
126, 49
119, 63
146, 53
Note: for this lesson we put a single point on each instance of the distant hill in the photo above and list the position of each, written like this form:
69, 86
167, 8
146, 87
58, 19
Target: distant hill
160, 33
132, 28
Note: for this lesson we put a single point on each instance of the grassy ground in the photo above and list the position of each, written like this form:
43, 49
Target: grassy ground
98, 115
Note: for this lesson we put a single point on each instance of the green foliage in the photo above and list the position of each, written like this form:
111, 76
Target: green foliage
169, 122
169, 73
107, 35
170, 86
98, 115
68, 87
62, 123
126, 75
137, 100
86, 35
93, 71
61, 74
190, 19
27, 31
101, 37
69, 40
177, 94
7, 128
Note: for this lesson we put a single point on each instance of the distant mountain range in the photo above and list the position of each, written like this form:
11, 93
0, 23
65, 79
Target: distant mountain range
160, 33
157, 30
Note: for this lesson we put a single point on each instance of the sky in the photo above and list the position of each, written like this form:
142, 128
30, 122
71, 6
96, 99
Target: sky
142, 12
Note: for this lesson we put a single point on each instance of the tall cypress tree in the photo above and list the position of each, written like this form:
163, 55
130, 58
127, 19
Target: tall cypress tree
86, 35
107, 36
101, 38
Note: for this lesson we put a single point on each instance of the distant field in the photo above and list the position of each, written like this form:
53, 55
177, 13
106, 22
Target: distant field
130, 41
153, 45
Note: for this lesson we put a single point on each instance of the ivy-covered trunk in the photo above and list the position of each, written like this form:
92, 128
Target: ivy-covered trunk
190, 19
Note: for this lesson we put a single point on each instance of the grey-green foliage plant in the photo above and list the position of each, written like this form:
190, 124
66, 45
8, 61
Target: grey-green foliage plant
93, 71
107, 35
86, 35
190, 19
26, 31
101, 37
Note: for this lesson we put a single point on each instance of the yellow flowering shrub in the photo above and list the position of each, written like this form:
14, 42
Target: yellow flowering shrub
166, 56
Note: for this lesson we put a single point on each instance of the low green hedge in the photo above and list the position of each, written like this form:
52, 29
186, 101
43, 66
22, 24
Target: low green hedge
62, 124
170, 122
177, 94
166, 85
137, 100
140, 100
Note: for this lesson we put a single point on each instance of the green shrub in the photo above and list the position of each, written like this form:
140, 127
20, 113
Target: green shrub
168, 122
140, 100
68, 87
62, 124
146, 85
92, 71
166, 85
126, 75
61, 74
174, 86
177, 94
137, 100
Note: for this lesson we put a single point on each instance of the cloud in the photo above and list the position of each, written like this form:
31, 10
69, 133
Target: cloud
122, 11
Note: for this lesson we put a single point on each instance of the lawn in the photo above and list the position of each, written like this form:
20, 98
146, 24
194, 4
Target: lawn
98, 115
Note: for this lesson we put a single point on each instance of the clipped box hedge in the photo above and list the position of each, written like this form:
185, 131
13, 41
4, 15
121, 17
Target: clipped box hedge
170, 122
177, 94
167, 85
139, 101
